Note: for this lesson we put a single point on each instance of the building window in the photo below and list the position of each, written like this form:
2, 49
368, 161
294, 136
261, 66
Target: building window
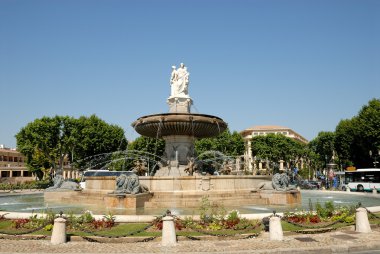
5, 173
27, 173
16, 173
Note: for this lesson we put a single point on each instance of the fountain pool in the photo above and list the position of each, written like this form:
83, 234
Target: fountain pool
35, 203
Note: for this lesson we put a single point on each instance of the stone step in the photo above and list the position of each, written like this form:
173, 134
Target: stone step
197, 203
185, 199
165, 195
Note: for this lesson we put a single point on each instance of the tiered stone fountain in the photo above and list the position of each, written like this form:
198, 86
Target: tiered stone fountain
172, 186
179, 128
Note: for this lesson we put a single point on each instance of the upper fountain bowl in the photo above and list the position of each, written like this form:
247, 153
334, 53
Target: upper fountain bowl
187, 124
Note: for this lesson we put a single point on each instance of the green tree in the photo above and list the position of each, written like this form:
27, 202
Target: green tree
38, 164
148, 146
367, 133
355, 137
276, 147
345, 140
94, 141
212, 152
323, 146
46, 141
49, 141
230, 144
149, 150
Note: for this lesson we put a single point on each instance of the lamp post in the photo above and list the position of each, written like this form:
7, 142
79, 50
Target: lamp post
375, 157
326, 172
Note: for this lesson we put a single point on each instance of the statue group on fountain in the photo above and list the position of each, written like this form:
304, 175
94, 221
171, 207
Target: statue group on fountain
179, 81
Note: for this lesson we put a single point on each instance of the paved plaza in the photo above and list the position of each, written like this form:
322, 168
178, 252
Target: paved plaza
343, 241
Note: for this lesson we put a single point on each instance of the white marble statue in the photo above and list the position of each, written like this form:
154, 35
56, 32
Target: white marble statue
179, 81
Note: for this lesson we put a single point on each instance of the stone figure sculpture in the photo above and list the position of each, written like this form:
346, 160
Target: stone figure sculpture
179, 81
226, 168
129, 184
140, 167
173, 79
59, 183
280, 182
190, 166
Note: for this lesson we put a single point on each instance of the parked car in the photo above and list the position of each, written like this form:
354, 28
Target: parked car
317, 184
305, 184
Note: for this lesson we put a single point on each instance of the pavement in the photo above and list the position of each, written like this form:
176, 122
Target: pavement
342, 241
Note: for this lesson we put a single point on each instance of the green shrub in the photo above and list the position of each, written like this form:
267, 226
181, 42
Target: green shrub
48, 227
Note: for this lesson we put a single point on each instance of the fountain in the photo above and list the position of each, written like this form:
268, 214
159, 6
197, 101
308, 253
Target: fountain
176, 184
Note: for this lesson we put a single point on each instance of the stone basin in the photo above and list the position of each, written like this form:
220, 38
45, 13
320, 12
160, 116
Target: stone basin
182, 124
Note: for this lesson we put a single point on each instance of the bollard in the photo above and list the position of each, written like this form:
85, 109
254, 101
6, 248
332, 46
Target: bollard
168, 231
275, 229
58, 235
362, 223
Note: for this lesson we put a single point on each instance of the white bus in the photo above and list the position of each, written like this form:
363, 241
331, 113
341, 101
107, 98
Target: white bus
365, 179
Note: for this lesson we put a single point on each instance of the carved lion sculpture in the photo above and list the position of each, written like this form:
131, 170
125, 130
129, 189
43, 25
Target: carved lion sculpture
129, 184
59, 183
280, 182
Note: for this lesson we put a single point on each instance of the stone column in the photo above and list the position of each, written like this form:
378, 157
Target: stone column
249, 153
275, 229
168, 231
58, 235
362, 223
281, 165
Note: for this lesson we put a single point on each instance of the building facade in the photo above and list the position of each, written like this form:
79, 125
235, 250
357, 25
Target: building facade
13, 167
262, 165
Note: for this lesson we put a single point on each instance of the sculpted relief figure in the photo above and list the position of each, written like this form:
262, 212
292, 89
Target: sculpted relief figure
173, 79
179, 81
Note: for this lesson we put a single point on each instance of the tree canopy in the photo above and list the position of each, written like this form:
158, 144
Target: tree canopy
48, 141
357, 136
323, 145
230, 144
276, 147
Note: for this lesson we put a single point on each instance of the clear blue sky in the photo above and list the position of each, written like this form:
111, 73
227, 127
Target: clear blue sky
300, 64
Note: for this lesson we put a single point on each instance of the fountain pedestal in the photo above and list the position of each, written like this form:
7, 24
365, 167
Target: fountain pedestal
179, 104
179, 148
126, 201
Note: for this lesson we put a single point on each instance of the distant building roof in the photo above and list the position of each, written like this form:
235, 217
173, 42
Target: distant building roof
272, 129
267, 127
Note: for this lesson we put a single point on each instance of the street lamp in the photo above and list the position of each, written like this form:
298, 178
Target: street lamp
375, 157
